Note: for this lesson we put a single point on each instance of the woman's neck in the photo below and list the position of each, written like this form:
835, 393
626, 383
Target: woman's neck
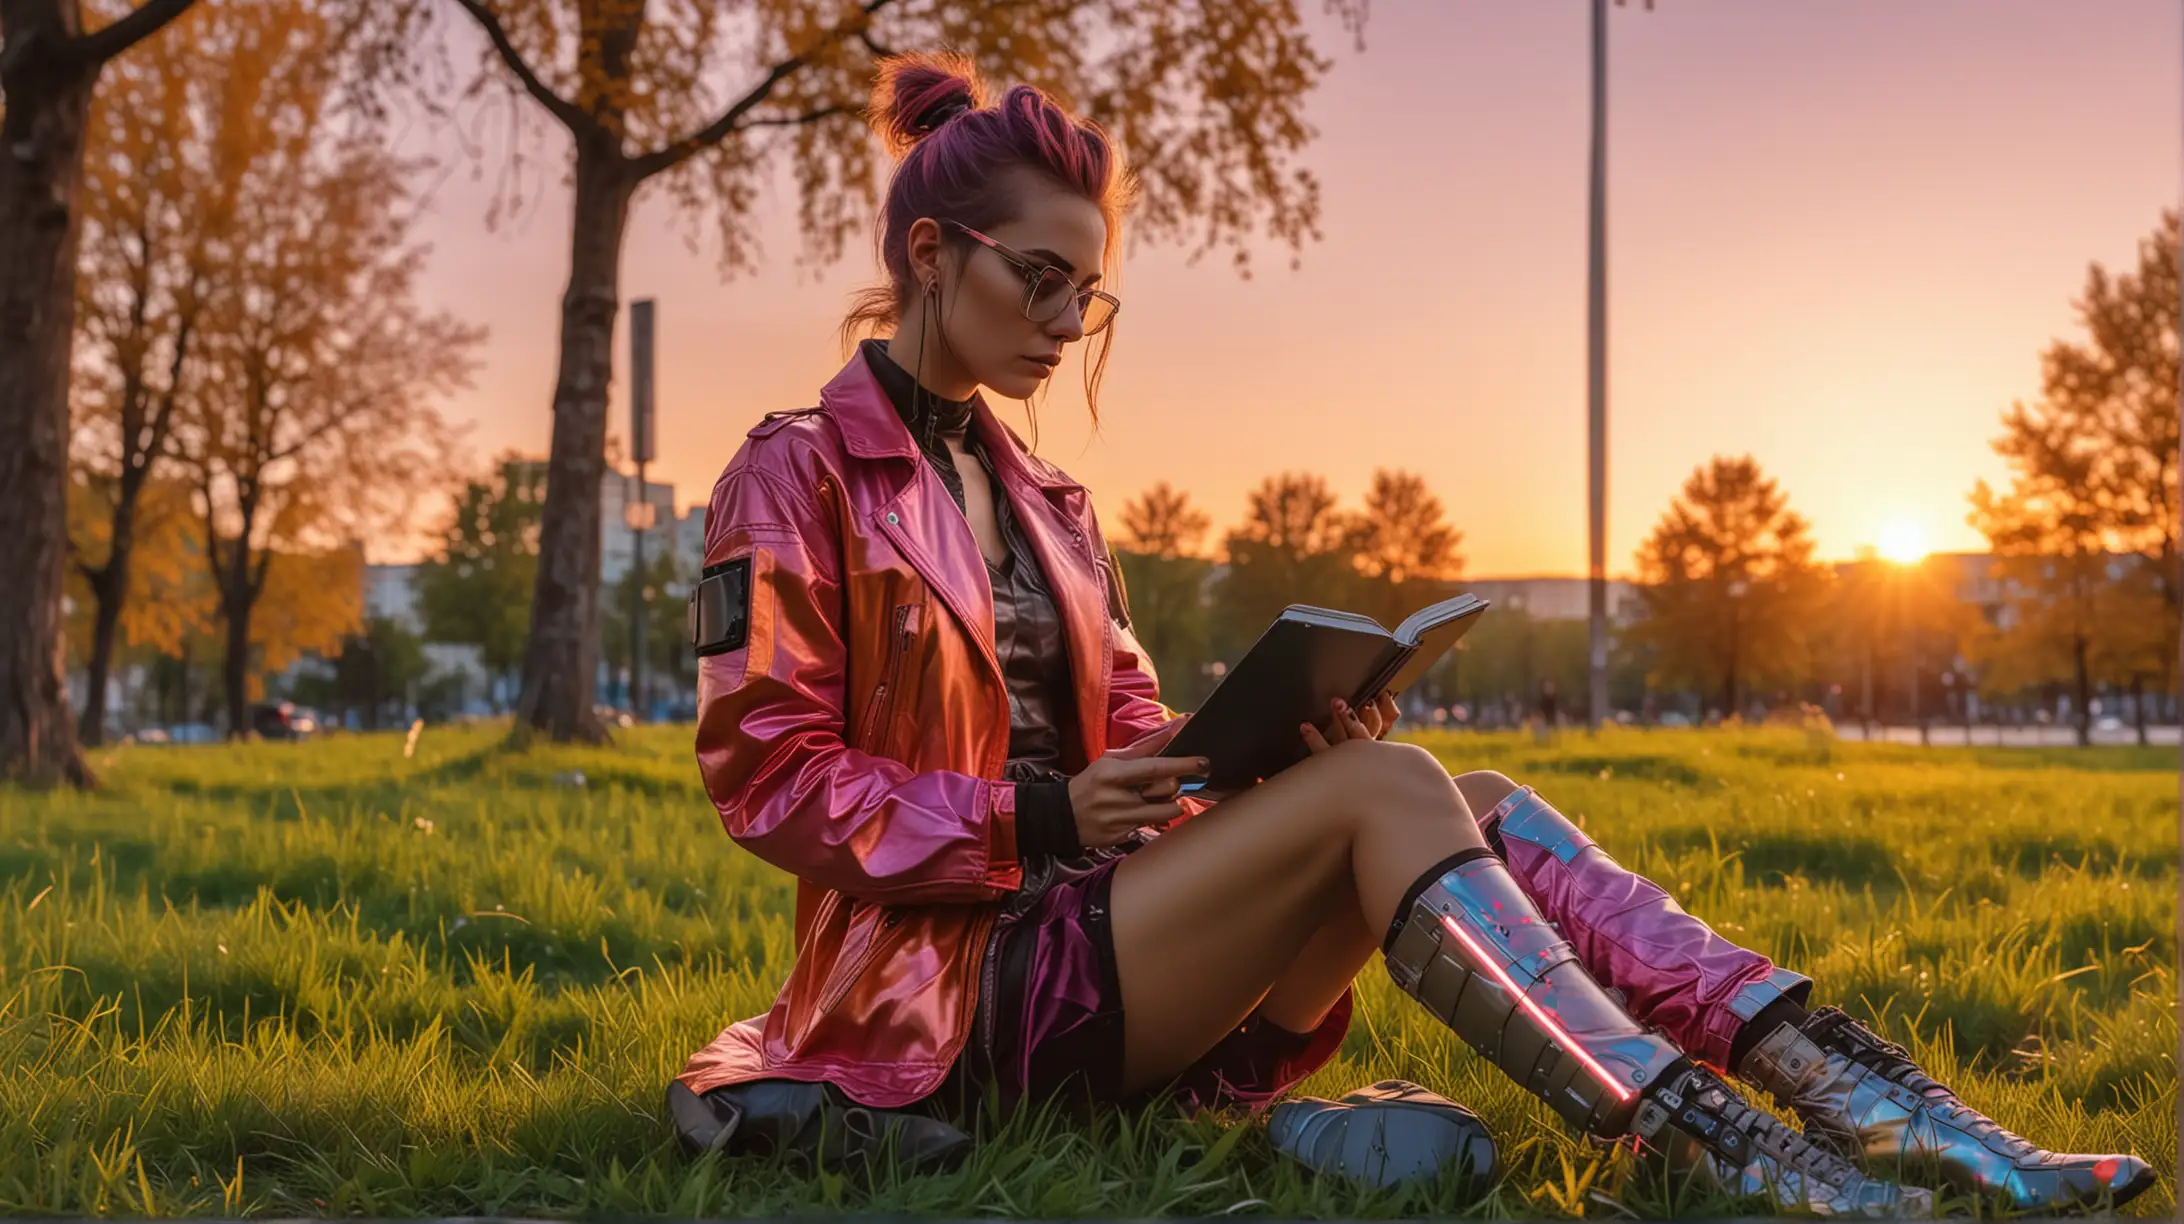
936, 368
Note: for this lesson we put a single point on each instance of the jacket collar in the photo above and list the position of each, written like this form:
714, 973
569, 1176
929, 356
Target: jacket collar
872, 429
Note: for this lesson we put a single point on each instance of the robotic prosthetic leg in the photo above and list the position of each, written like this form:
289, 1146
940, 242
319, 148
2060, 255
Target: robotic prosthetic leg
1471, 947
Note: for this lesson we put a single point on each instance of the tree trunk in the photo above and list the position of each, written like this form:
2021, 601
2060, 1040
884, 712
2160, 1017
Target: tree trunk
560, 661
2081, 701
235, 666
182, 685
106, 589
110, 587
2138, 706
48, 95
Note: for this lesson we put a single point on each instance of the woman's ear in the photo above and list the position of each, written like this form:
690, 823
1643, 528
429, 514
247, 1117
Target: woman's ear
923, 249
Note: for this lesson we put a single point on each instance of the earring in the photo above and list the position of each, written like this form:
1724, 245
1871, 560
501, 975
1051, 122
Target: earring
917, 386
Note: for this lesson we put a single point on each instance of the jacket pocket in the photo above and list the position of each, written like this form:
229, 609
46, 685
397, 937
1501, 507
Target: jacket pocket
874, 735
846, 976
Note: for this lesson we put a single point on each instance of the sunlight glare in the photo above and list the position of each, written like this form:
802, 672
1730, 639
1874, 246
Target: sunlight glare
1904, 543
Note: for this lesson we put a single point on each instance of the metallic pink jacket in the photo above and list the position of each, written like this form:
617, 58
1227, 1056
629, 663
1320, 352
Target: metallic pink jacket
856, 738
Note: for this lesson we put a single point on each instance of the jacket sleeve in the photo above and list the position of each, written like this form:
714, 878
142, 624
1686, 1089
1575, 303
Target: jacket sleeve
770, 738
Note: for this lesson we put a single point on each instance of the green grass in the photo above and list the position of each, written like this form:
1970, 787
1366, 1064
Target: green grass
329, 980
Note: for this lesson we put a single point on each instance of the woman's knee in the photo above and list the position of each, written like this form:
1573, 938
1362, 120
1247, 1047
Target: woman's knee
1484, 790
1383, 773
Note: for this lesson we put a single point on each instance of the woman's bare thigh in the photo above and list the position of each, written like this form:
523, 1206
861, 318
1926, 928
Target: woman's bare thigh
1208, 917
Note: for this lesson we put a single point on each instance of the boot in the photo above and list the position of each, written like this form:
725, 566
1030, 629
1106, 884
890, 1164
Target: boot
1673, 971
1470, 946
1865, 1097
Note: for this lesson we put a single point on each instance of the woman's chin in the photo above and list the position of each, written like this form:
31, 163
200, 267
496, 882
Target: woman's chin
1014, 385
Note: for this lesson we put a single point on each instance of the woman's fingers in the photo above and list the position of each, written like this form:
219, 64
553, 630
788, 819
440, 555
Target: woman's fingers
1353, 726
1312, 737
1388, 712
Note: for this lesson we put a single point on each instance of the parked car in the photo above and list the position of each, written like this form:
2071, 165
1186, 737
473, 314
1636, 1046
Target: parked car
283, 720
193, 733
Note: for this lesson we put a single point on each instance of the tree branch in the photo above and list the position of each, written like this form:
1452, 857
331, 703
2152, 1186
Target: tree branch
798, 120
713, 133
570, 115
145, 21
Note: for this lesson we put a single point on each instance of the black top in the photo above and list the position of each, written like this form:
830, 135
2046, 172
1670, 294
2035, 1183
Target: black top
1029, 639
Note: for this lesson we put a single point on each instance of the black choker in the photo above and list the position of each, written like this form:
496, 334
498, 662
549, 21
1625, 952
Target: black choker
918, 407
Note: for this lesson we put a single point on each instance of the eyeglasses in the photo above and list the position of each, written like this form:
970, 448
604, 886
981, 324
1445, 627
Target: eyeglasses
1048, 290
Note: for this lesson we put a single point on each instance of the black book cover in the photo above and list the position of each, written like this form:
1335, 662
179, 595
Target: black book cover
1309, 656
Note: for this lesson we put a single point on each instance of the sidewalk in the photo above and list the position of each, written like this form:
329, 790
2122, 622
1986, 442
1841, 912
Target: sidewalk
1953, 735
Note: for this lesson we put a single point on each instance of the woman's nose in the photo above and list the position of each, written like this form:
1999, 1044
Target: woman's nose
1068, 325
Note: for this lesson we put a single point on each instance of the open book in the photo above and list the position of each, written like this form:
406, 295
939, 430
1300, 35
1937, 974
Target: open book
1307, 658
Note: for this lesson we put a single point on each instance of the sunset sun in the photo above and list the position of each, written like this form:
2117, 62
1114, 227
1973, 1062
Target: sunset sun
1903, 543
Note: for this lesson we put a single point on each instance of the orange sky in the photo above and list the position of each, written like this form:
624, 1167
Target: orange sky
1841, 231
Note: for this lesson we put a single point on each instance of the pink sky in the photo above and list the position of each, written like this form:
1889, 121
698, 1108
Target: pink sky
1841, 232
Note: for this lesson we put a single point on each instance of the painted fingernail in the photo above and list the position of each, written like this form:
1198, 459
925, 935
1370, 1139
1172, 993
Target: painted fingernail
1203, 763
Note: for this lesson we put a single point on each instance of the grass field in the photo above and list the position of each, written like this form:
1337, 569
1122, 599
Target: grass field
329, 980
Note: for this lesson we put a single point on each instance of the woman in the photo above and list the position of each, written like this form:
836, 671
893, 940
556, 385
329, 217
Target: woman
920, 695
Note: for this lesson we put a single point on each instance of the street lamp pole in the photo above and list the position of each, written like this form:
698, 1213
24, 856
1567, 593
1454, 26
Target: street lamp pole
1597, 375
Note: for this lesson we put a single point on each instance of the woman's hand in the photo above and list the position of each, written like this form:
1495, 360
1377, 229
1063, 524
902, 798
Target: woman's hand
1373, 722
1130, 788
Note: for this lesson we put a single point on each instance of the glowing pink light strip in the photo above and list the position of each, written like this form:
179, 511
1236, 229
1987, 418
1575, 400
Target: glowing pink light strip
1538, 1013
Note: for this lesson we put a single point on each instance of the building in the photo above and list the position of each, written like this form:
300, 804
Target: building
1556, 598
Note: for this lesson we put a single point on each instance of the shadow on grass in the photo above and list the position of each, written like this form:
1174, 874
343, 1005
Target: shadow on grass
1650, 768
1852, 861
382, 790
2032, 855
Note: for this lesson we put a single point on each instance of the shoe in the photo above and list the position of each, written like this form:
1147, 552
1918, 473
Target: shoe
1390, 1134
1865, 1097
812, 1124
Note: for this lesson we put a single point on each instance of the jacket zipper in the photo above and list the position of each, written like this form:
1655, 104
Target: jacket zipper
989, 1002
882, 706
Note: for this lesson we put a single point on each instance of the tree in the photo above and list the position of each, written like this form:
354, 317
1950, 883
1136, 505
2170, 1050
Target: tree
378, 666
1886, 624
1159, 552
49, 67
2086, 531
1403, 548
149, 204
173, 595
1207, 95
1293, 546
2047, 534
1728, 582
2121, 388
311, 601
315, 423
478, 591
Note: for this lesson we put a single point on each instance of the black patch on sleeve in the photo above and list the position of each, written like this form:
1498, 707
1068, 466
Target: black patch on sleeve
720, 608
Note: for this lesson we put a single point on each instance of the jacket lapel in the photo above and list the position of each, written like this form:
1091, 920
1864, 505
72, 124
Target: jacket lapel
924, 524
1065, 557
